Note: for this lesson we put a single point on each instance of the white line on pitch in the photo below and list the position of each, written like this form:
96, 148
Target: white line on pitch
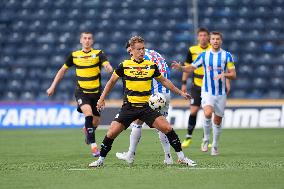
201, 168
79, 169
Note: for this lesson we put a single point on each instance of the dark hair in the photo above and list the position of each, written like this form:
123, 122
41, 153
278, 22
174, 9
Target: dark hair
86, 32
202, 30
216, 33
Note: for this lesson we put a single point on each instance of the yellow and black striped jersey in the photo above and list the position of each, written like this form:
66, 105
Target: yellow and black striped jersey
137, 80
88, 69
192, 54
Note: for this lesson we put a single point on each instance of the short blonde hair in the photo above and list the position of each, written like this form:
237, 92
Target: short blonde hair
135, 39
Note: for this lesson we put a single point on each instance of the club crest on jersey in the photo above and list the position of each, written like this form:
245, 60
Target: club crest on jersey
94, 56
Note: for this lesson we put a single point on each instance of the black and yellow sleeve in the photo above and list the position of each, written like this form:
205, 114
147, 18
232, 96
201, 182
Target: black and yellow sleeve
188, 58
119, 71
103, 58
157, 73
69, 61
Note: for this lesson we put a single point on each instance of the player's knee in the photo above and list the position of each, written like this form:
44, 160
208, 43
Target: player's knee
208, 114
111, 134
217, 120
194, 111
96, 121
168, 129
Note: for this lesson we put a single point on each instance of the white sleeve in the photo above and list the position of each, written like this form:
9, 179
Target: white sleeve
198, 61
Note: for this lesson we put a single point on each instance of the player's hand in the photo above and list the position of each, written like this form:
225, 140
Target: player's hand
186, 95
220, 76
50, 91
100, 105
176, 65
184, 88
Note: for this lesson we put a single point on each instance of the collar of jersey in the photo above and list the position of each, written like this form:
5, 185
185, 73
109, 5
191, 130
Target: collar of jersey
216, 52
202, 47
137, 61
88, 51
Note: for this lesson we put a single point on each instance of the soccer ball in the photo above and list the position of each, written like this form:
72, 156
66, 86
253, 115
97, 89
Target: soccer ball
157, 101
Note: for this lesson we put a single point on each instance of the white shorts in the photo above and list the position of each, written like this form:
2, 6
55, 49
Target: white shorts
165, 110
217, 102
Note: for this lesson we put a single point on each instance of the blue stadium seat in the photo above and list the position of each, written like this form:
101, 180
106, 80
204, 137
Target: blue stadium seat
27, 96
278, 70
263, 71
37, 36
240, 93
10, 96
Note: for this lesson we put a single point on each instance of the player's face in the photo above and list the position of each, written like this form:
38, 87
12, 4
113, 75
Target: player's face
86, 40
203, 38
138, 51
215, 41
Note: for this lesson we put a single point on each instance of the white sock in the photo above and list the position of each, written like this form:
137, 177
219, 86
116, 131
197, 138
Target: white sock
165, 143
101, 158
180, 155
216, 134
134, 138
206, 129
94, 145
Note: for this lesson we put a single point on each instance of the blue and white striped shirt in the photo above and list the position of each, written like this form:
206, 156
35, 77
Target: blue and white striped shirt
214, 63
155, 57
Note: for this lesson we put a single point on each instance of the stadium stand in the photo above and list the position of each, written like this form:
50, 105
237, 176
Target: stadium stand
36, 36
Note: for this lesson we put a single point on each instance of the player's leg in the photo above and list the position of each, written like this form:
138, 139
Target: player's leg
90, 128
166, 147
163, 125
207, 124
217, 122
115, 129
135, 136
195, 103
208, 108
191, 126
85, 106
163, 138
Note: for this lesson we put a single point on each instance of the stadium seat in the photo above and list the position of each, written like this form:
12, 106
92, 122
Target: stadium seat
37, 36
10, 96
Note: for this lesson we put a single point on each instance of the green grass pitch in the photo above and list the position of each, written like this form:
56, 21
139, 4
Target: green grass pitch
58, 158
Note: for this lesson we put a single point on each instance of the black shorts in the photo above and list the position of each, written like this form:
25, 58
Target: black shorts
195, 93
87, 98
128, 114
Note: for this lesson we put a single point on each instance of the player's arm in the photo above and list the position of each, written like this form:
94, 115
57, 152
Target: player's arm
110, 84
119, 72
230, 74
185, 75
177, 66
168, 84
56, 80
228, 86
199, 61
61, 72
105, 62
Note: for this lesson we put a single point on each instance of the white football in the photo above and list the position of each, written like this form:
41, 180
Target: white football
157, 101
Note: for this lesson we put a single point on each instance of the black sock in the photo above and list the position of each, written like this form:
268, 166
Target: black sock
90, 129
174, 140
191, 124
106, 146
